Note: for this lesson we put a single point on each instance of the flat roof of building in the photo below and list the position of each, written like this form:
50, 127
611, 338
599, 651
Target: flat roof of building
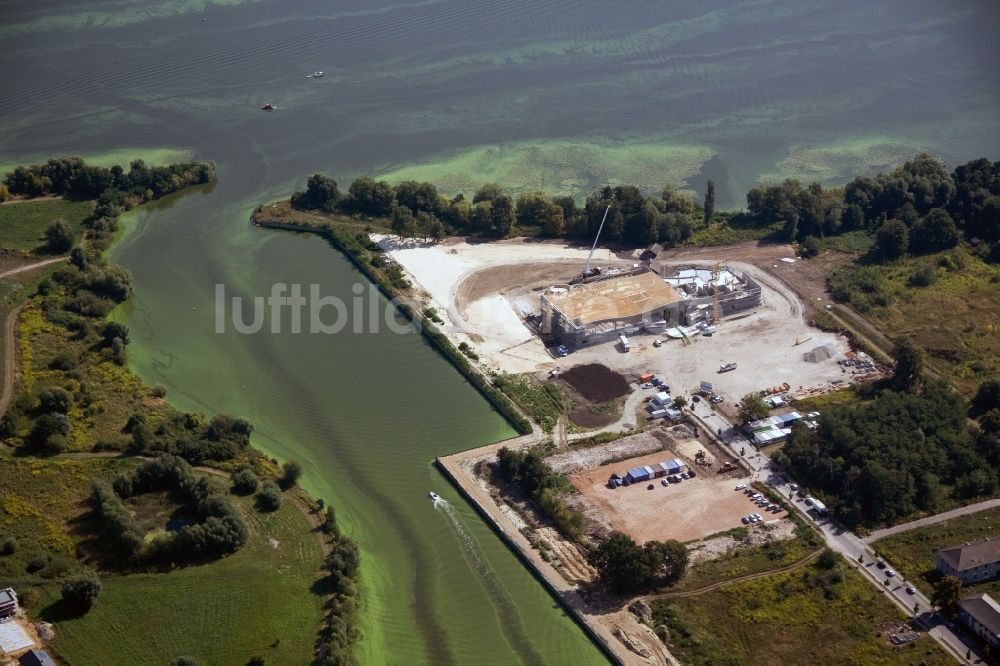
614, 298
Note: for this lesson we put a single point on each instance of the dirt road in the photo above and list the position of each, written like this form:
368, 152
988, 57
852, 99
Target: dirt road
29, 267
931, 520
10, 339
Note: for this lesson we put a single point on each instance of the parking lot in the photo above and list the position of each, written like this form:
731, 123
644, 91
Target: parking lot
686, 511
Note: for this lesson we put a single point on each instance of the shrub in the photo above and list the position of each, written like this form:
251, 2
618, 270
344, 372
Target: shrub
55, 399
244, 481
924, 276
291, 471
269, 497
36, 564
9, 546
158, 391
65, 361
81, 591
56, 444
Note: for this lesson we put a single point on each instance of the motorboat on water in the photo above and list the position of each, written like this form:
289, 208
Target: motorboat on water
434, 496
315, 75
267, 107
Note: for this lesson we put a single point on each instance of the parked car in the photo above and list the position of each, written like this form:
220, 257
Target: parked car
880, 563
663, 482
716, 399
691, 474
910, 590
890, 573
740, 486
562, 350
746, 520
793, 486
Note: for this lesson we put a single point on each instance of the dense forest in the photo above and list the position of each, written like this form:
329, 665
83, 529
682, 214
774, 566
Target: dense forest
902, 452
919, 207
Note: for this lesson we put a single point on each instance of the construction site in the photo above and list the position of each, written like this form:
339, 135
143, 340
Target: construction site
606, 306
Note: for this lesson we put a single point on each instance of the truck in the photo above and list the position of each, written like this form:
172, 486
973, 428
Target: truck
726, 367
623, 341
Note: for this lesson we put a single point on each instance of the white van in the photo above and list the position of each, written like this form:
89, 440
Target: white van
624, 343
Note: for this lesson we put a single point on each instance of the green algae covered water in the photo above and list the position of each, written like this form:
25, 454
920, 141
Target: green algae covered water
557, 95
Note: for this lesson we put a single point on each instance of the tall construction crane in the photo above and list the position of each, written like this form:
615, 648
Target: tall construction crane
586, 269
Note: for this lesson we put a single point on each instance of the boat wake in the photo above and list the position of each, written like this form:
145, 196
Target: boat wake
510, 619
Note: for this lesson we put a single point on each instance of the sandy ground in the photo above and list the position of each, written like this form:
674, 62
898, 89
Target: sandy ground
481, 288
684, 511
759, 534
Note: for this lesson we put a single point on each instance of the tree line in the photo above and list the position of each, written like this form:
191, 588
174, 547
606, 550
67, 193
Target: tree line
74, 177
419, 210
919, 207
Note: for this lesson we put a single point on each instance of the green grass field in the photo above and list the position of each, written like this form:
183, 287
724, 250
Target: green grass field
805, 616
263, 601
22, 225
913, 552
211, 611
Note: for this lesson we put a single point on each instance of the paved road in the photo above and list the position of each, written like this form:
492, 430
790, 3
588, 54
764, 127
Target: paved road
841, 540
930, 520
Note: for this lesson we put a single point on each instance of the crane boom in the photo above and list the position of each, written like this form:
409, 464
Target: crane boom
586, 269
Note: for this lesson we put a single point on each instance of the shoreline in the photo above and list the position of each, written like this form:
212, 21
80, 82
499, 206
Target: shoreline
600, 626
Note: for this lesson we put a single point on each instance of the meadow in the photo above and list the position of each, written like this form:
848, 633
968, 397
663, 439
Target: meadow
22, 224
913, 552
815, 615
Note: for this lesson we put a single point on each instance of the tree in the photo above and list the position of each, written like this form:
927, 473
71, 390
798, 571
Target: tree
184, 661
709, 201
291, 471
621, 562
809, 247
892, 239
987, 397
680, 402
80, 592
371, 198
947, 592
59, 236
935, 232
908, 374
502, 218
269, 497
78, 257
55, 399
244, 481
113, 330
752, 407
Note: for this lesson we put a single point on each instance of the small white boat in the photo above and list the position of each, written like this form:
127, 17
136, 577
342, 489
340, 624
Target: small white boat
314, 75
434, 496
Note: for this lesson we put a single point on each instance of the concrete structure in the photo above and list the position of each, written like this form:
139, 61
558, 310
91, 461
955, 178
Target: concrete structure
971, 562
737, 293
604, 308
982, 615
8, 602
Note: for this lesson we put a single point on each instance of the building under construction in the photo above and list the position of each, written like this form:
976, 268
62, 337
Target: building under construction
602, 308
712, 293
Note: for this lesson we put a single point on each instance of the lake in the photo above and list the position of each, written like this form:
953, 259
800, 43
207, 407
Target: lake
555, 95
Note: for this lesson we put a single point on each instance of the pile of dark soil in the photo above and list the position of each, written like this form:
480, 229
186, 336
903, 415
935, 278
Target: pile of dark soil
597, 383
